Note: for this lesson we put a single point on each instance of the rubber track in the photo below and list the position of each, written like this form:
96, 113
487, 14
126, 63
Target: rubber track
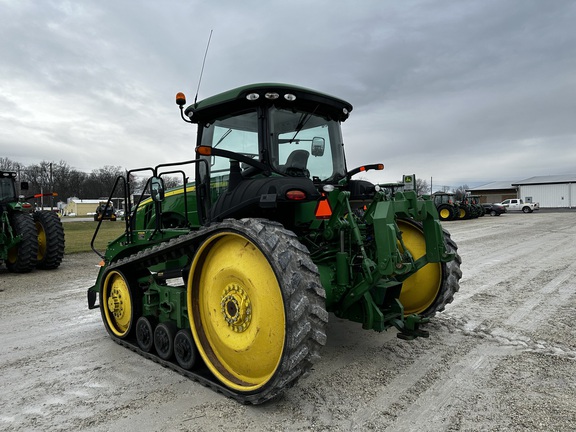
186, 245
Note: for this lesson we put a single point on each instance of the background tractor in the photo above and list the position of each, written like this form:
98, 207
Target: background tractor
446, 205
465, 209
105, 211
28, 239
230, 280
470, 207
478, 209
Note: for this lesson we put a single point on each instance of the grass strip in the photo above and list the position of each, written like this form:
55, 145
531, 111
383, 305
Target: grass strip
79, 235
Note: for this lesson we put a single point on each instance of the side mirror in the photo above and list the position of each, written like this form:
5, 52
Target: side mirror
24, 186
157, 189
318, 145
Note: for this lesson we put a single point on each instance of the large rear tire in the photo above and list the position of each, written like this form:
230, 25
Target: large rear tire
50, 240
256, 307
432, 287
22, 257
445, 213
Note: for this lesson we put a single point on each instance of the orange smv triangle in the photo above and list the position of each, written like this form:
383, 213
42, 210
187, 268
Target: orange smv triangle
323, 209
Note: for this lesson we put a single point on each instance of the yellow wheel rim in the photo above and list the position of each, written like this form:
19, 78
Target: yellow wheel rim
445, 213
117, 304
462, 214
236, 311
41, 241
420, 290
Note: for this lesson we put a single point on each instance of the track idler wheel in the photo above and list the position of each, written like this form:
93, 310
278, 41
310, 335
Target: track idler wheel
185, 350
164, 340
432, 287
420, 290
256, 307
118, 305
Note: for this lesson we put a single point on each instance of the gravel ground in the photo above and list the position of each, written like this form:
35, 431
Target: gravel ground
502, 357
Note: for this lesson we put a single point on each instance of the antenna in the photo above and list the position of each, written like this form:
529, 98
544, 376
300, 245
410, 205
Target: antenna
203, 63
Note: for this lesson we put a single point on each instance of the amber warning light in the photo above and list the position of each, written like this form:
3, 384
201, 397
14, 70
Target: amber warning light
378, 167
204, 150
180, 99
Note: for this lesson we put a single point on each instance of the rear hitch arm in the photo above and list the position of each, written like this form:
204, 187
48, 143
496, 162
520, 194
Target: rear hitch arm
409, 327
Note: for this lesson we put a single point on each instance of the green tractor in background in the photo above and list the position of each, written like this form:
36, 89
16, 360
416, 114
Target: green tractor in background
477, 208
465, 209
470, 207
105, 211
446, 205
28, 239
229, 280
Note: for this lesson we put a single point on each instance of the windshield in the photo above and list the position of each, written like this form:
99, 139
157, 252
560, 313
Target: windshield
297, 143
7, 190
307, 145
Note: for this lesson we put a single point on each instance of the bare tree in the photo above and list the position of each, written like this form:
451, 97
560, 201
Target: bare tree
460, 192
422, 187
9, 165
100, 182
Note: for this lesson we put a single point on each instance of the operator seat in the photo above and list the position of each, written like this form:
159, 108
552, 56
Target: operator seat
296, 164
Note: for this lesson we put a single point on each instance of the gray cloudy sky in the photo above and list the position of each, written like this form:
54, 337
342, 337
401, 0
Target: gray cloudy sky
460, 91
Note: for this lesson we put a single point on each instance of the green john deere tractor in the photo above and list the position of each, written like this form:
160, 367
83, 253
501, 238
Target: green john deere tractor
470, 207
446, 206
28, 239
229, 280
477, 208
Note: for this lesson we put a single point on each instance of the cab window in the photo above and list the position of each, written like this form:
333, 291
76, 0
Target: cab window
306, 145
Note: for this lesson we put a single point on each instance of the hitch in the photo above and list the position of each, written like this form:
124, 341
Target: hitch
409, 327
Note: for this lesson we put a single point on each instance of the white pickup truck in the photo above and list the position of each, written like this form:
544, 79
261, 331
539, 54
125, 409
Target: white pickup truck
520, 205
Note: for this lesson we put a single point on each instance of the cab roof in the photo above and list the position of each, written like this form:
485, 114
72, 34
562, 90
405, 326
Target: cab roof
277, 94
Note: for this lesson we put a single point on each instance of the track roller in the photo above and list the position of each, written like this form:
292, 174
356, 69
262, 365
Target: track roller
164, 340
145, 334
185, 350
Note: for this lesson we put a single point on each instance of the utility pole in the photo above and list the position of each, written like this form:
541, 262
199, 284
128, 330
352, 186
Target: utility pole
51, 185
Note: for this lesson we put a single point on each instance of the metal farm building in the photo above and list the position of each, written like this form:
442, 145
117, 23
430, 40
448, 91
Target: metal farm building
550, 191
558, 191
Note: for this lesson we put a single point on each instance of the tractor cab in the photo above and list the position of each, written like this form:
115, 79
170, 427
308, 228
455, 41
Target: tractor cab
7, 189
446, 205
266, 147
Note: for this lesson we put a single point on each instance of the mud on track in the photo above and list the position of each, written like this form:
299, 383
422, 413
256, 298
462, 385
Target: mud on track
501, 357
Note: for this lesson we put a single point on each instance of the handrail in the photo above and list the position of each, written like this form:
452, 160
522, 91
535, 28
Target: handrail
131, 210
106, 207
